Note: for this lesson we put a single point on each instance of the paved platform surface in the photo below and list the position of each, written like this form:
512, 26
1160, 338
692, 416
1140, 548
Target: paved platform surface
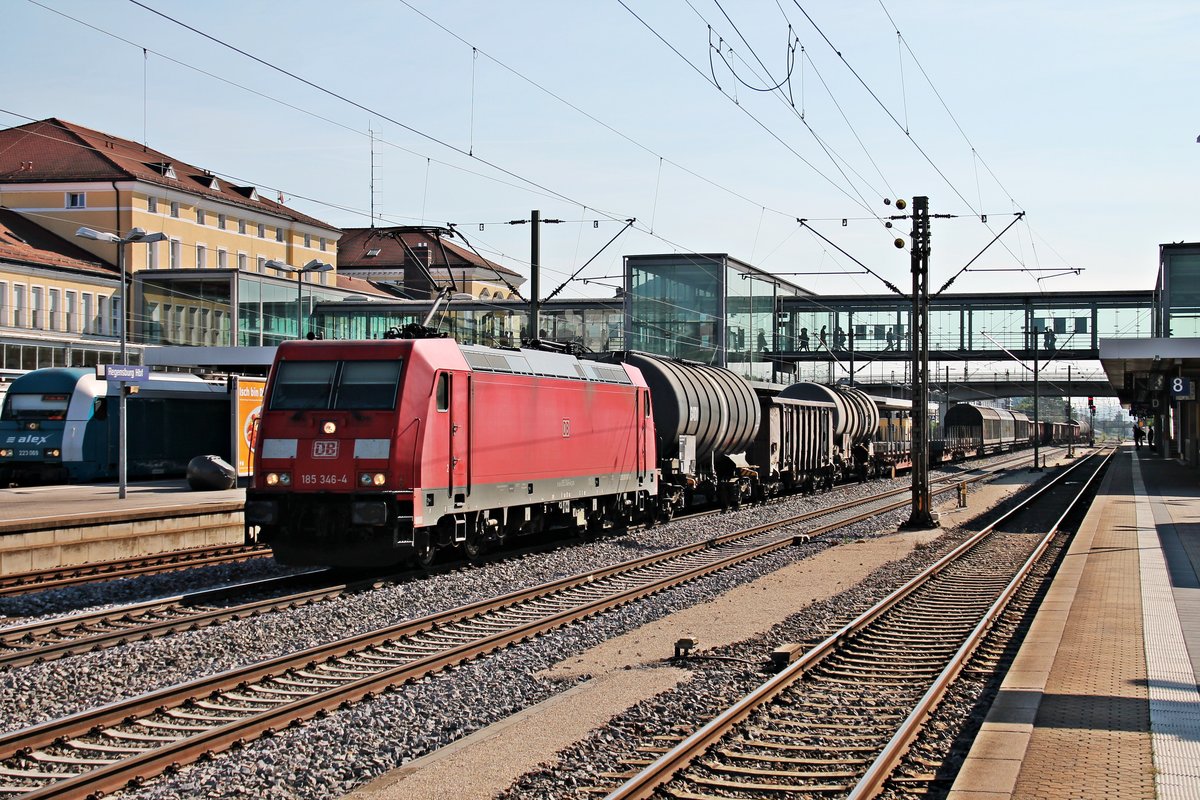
37, 505
1102, 699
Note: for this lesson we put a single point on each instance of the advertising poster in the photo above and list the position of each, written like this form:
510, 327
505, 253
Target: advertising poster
250, 400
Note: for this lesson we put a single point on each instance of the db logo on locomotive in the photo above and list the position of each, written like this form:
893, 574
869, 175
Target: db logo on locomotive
325, 448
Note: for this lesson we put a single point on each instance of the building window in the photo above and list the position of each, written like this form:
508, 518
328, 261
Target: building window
152, 255
18, 305
72, 318
262, 264
152, 205
322, 244
3, 304
175, 208
242, 262
35, 307
176, 254
76, 200
223, 259
262, 231
102, 315
308, 240
201, 256
54, 321
241, 226
279, 234
221, 221
199, 216
88, 321
114, 323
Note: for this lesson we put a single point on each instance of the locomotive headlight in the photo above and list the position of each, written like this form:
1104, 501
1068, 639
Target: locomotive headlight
329, 427
285, 479
279, 479
379, 479
6, 453
52, 453
364, 479
368, 479
272, 479
32, 426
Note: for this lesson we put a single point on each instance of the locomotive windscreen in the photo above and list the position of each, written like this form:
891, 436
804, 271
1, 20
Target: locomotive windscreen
35, 406
339, 385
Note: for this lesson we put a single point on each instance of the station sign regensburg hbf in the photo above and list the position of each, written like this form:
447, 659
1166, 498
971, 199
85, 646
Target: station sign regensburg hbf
129, 373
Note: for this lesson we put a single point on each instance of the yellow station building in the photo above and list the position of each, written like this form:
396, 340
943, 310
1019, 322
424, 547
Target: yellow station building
209, 283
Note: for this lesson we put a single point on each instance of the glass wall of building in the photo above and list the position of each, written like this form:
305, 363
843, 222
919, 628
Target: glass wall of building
708, 308
591, 325
1179, 290
676, 306
189, 309
222, 308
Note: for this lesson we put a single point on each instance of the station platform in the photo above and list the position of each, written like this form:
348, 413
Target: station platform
48, 527
1102, 700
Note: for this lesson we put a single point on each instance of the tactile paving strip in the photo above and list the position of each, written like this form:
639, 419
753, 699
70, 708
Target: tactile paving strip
1174, 699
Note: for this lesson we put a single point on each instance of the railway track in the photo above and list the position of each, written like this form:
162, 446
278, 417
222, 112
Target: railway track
46, 640
62, 577
125, 743
81, 633
838, 720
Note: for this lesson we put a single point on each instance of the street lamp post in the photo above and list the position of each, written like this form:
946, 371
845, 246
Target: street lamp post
312, 266
134, 235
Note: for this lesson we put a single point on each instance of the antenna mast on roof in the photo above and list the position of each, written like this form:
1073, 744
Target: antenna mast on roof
371, 133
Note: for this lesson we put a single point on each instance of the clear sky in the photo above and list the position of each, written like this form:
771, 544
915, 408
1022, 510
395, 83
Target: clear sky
1082, 114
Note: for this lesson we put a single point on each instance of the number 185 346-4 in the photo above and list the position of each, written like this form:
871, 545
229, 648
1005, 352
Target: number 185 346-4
324, 480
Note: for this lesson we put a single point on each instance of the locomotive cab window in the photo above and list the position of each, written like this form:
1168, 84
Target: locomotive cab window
303, 385
367, 385
443, 391
35, 406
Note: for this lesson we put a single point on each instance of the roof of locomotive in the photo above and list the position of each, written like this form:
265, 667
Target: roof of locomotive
515, 361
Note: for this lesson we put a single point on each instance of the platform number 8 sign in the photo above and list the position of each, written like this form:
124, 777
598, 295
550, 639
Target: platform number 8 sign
1181, 388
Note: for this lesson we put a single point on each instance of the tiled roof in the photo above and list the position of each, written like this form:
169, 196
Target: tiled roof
25, 242
356, 244
361, 286
52, 151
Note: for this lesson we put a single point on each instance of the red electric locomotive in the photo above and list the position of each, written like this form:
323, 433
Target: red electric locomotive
371, 453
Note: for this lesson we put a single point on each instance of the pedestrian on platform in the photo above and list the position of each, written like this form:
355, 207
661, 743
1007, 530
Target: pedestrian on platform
1150, 439
804, 338
824, 335
1137, 436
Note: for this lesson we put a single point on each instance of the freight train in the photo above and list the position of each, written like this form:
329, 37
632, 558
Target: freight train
59, 425
373, 453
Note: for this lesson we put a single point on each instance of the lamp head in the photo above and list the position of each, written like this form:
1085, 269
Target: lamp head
277, 264
316, 265
99, 236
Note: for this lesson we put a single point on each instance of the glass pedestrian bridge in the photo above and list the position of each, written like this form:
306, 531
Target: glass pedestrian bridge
715, 309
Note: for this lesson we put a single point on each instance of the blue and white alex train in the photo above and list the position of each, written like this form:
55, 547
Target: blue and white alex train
60, 424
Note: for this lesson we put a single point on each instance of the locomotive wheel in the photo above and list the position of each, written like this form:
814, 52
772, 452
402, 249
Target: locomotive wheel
475, 546
424, 553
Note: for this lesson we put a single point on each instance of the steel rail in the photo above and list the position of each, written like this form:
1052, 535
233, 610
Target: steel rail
31, 643
665, 767
97, 571
872, 781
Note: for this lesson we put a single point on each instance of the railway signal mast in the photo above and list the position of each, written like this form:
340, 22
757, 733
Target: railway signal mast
922, 517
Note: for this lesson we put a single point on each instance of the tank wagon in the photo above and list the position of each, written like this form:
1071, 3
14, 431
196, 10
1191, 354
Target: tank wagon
705, 419
372, 453
60, 424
